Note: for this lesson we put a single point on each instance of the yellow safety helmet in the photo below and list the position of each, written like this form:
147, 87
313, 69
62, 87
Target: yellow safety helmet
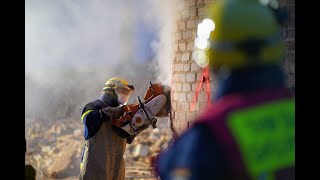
120, 87
245, 33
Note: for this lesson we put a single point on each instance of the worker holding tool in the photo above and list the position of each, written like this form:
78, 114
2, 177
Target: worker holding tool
248, 131
102, 157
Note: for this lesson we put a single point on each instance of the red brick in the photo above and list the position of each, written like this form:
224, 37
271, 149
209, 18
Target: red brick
182, 117
173, 113
174, 105
290, 57
176, 77
199, 75
178, 57
174, 67
182, 46
196, 105
191, 116
178, 36
187, 35
181, 5
186, 67
291, 81
183, 78
176, 96
195, 67
181, 25
191, 24
186, 87
185, 57
286, 2
190, 96
182, 97
208, 1
178, 109
202, 97
184, 106
185, 14
192, 121
203, 105
183, 127
193, 12
290, 46
202, 11
195, 86
291, 33
176, 47
200, 2
191, 77
176, 123
190, 3
190, 46
290, 23
178, 86
291, 11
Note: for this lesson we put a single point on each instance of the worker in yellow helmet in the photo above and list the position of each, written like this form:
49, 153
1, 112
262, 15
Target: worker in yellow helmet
248, 132
102, 157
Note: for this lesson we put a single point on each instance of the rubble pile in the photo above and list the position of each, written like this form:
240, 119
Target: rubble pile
54, 150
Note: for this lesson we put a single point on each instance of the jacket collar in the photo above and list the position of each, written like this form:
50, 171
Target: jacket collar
108, 100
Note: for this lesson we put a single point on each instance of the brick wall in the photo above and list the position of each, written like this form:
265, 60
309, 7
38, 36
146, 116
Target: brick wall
288, 35
186, 73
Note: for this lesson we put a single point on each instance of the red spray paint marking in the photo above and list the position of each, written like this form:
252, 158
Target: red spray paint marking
204, 79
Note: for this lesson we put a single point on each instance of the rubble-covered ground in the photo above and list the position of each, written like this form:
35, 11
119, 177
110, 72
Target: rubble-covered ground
54, 149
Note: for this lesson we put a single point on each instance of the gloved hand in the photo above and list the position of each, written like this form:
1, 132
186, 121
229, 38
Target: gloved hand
113, 112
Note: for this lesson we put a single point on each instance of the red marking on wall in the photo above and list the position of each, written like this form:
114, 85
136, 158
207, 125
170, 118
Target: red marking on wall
205, 78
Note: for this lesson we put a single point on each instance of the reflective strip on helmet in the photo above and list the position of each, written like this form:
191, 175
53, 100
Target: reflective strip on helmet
85, 113
107, 87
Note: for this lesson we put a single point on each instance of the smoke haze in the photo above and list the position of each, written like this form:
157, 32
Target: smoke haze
73, 47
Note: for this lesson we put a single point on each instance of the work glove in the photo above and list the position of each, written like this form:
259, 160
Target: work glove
112, 112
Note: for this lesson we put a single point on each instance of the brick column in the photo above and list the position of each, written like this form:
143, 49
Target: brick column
186, 73
288, 35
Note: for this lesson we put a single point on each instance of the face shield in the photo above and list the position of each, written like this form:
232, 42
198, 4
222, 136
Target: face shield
123, 92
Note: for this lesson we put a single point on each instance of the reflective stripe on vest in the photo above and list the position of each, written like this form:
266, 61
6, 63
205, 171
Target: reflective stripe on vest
81, 165
85, 113
265, 135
